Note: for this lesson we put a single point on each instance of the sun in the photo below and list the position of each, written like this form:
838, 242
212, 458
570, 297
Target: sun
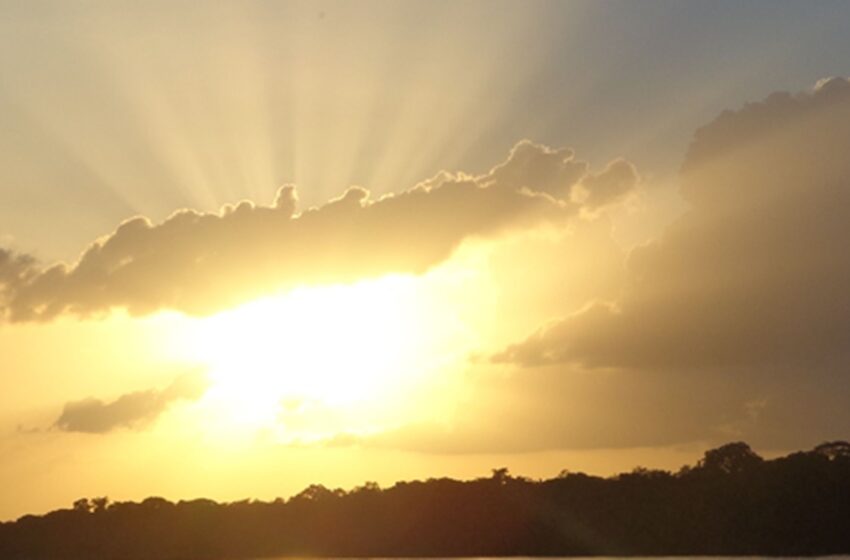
321, 360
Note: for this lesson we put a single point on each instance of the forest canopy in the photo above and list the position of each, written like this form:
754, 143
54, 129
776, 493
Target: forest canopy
732, 502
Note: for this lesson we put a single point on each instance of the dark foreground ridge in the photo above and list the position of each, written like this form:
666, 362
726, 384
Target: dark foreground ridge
731, 503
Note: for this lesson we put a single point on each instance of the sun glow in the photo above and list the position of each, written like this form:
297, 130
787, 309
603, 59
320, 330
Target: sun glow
320, 361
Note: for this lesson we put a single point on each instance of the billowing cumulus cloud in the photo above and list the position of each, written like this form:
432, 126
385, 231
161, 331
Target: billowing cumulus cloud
540, 169
756, 272
200, 263
95, 416
744, 297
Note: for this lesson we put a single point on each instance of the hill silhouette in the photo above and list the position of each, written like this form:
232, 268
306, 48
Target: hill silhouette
732, 502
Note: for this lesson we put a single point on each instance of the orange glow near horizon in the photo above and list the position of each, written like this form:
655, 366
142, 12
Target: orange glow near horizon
246, 247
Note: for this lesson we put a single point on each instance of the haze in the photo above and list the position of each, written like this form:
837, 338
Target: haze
246, 247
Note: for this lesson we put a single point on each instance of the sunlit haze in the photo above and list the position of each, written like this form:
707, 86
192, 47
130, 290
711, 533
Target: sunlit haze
246, 247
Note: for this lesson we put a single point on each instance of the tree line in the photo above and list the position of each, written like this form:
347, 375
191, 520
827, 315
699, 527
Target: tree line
732, 502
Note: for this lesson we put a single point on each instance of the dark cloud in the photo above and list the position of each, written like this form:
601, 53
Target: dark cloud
200, 263
95, 416
736, 321
756, 273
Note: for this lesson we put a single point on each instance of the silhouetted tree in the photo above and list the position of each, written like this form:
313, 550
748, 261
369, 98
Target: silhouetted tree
730, 458
82, 505
316, 492
833, 450
99, 504
501, 475
731, 503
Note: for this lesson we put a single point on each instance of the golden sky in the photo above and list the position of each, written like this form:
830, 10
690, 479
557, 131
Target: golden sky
251, 247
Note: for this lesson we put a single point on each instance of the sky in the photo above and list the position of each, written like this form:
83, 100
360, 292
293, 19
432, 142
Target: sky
250, 246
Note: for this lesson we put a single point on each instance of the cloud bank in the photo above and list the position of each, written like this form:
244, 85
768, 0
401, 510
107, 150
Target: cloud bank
756, 272
733, 324
200, 263
736, 321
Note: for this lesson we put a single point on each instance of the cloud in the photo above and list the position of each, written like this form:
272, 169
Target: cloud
15, 270
200, 263
734, 322
539, 169
617, 180
95, 416
755, 273
556, 407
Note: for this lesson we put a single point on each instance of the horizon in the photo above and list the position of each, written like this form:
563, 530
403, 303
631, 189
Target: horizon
790, 506
255, 246
493, 472
503, 473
